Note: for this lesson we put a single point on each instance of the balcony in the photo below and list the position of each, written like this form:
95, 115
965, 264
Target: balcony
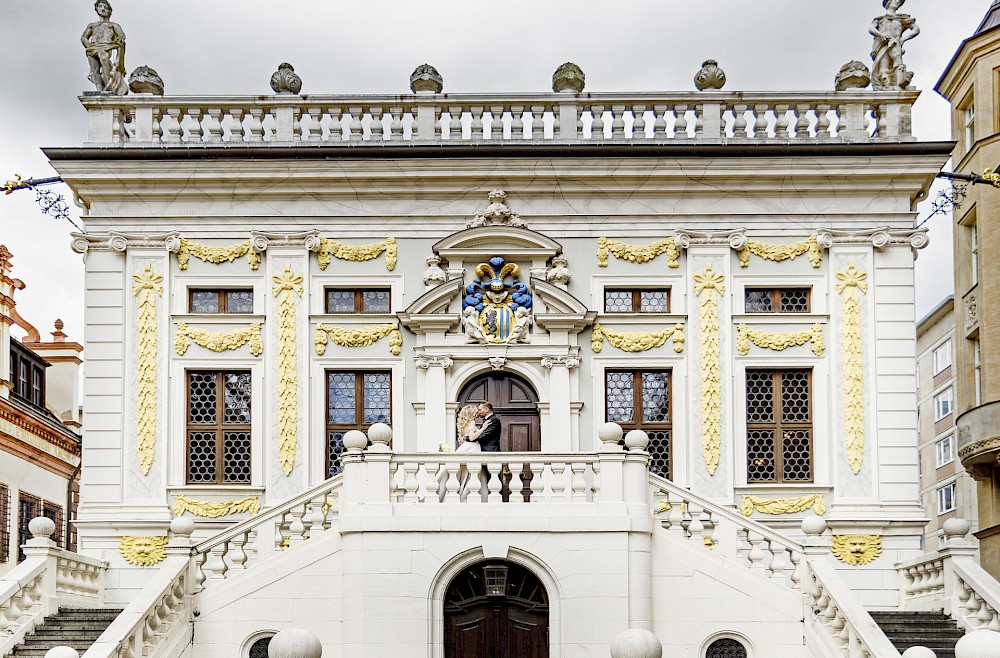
979, 434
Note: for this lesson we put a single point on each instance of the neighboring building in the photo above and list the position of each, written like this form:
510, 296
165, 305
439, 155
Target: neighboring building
39, 425
970, 83
946, 489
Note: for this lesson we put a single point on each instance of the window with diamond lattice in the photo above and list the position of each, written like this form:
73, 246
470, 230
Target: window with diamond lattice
777, 300
354, 401
641, 400
259, 648
779, 426
726, 648
218, 428
357, 300
620, 300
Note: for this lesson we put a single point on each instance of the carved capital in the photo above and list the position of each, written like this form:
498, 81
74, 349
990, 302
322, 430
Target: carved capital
497, 362
425, 361
553, 360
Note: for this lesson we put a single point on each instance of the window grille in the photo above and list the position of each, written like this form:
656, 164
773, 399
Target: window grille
726, 648
354, 400
620, 300
28, 507
259, 648
55, 512
218, 428
779, 426
641, 400
777, 300
221, 301
4, 523
357, 300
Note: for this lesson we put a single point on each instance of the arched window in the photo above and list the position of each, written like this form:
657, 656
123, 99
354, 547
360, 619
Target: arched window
726, 648
259, 648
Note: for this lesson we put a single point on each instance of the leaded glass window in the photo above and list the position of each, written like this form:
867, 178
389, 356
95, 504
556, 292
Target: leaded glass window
354, 400
641, 400
777, 300
259, 648
779, 425
221, 301
218, 428
357, 300
654, 300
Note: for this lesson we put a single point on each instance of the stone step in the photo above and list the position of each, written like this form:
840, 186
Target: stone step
933, 630
77, 628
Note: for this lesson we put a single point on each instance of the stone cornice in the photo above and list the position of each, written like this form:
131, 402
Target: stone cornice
880, 237
121, 242
21, 426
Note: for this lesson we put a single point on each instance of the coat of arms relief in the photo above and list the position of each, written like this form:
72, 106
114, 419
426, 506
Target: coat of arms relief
497, 307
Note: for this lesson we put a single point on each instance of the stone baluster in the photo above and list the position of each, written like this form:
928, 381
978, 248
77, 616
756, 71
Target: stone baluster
696, 528
477, 112
494, 484
779, 563
699, 120
410, 484
396, 123
802, 124
781, 121
474, 486
296, 528
255, 126
377, 129
156, 128
213, 124
356, 130
559, 482
539, 482
496, 122
681, 124
823, 121
597, 127
537, 122
579, 484
516, 482
215, 565
235, 125
639, 124
455, 123
175, 133
336, 124
618, 121
319, 509
660, 121
756, 554
195, 131
312, 130
760, 127
452, 484
675, 515
517, 122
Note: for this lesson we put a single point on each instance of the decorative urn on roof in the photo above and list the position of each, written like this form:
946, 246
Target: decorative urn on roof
426, 79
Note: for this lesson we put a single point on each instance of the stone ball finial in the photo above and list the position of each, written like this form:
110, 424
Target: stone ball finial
813, 526
425, 79
294, 643
145, 80
710, 76
182, 526
355, 441
59, 324
62, 652
41, 527
919, 652
956, 529
853, 75
636, 643
637, 440
285, 80
610, 433
568, 77
380, 435
983, 643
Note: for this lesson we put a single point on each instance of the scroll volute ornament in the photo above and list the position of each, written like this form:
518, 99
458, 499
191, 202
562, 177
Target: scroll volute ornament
285, 80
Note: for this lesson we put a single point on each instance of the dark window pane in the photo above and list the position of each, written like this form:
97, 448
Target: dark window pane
620, 400
336, 448
617, 301
237, 398
236, 456
340, 301
760, 396
795, 300
205, 301
239, 301
341, 398
653, 301
655, 397
376, 398
201, 457
726, 648
659, 453
797, 455
760, 456
375, 301
259, 648
758, 301
202, 397
795, 396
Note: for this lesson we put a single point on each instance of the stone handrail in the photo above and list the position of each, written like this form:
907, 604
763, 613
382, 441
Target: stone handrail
156, 621
976, 597
251, 540
671, 117
22, 602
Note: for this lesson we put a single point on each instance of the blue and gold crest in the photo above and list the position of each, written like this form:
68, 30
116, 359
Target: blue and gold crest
496, 300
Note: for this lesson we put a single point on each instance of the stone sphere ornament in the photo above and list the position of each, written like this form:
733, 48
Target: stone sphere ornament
610, 433
355, 441
919, 652
41, 527
425, 79
145, 80
636, 643
294, 643
956, 528
285, 80
182, 526
979, 644
568, 77
636, 440
853, 75
62, 652
813, 526
710, 76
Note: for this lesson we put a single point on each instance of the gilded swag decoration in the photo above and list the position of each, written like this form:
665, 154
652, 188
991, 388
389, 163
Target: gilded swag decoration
636, 253
329, 249
219, 341
362, 337
216, 255
780, 252
636, 341
779, 341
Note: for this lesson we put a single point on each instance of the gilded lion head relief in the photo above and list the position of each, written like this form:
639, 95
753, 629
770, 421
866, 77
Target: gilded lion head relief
143, 551
857, 549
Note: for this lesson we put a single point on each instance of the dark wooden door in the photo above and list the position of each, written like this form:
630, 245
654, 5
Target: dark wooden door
512, 626
515, 401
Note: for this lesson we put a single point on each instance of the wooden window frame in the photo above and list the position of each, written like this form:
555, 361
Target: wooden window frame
359, 300
27, 376
779, 427
223, 300
776, 299
220, 427
637, 422
359, 406
637, 299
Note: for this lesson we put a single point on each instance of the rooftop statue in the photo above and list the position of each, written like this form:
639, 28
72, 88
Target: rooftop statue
891, 31
104, 42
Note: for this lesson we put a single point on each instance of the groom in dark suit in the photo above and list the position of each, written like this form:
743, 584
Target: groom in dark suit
489, 437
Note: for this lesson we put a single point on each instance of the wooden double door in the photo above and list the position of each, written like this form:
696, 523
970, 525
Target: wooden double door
514, 625
515, 401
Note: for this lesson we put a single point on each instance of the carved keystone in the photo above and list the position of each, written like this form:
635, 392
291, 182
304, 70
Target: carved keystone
568, 77
425, 79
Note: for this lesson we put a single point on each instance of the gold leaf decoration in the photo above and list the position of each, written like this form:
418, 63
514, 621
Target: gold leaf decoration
356, 252
147, 288
636, 341
143, 551
708, 287
851, 286
219, 341
776, 506
857, 549
780, 252
636, 253
779, 341
212, 510
363, 337
287, 286
216, 255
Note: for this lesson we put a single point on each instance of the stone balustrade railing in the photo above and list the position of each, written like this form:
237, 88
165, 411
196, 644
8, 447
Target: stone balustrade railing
48, 578
666, 117
952, 580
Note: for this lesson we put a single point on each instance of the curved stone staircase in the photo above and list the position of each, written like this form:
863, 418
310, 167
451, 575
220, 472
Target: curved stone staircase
77, 628
934, 630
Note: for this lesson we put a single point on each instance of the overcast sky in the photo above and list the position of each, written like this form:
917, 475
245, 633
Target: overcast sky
228, 47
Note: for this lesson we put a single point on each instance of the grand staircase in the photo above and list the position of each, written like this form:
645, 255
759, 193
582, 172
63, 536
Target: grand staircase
72, 627
934, 630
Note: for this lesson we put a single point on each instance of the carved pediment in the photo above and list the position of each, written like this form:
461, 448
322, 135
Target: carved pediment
556, 299
436, 300
506, 240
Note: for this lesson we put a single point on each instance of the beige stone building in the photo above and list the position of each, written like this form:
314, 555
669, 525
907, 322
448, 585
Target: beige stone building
971, 83
946, 488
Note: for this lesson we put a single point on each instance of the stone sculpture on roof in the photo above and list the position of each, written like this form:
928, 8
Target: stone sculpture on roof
104, 43
497, 213
891, 31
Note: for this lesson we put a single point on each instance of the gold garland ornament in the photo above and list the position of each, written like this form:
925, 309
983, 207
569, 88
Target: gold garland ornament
248, 505
637, 253
637, 341
780, 252
363, 337
776, 506
851, 286
356, 252
147, 287
779, 341
857, 549
219, 341
708, 287
144, 551
216, 255
287, 286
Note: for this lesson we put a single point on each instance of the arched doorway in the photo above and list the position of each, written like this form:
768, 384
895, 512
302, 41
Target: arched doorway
515, 401
496, 609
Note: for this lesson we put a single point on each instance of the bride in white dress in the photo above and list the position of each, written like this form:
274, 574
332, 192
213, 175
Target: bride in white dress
468, 432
